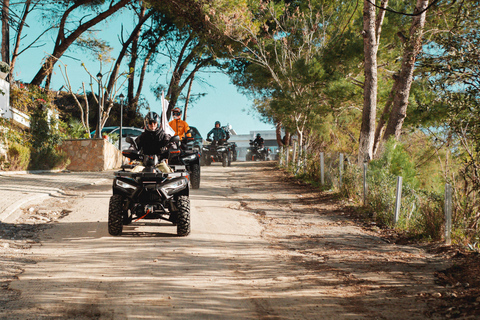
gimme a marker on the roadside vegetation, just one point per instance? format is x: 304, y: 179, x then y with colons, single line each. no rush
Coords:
x: 394, y: 84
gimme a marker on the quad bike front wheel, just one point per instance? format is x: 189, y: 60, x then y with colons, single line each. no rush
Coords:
x: 225, y: 160
x: 195, y: 176
x: 229, y: 158
x: 183, y: 216
x: 115, y: 215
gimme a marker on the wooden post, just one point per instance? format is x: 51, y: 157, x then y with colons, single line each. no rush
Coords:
x: 448, y: 214
x: 294, y: 156
x: 364, y: 183
x: 340, y: 169
x: 287, y: 155
x: 280, y: 156
x: 398, y: 201
x: 322, y: 168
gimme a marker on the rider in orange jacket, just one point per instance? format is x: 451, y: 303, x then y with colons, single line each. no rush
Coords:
x: 178, y: 125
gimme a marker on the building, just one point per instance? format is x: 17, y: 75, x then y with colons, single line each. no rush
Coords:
x: 6, y: 111
x: 243, y: 141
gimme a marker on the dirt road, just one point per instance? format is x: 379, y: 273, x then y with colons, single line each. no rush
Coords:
x: 261, y: 247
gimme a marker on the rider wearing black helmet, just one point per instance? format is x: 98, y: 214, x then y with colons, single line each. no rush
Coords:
x: 153, y: 139
x: 259, y: 140
x: 218, y: 132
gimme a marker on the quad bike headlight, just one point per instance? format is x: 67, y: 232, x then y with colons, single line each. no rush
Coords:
x: 190, y: 157
x: 222, y: 149
x: 172, y: 187
x: 124, y: 185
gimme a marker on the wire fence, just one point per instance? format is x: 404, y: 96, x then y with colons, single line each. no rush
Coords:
x: 391, y: 201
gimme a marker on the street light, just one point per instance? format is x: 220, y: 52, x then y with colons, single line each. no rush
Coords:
x: 100, y: 100
x: 121, y: 97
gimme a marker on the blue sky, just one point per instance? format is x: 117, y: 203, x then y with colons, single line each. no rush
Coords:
x: 222, y: 102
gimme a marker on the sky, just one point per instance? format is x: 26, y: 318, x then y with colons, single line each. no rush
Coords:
x: 223, y: 102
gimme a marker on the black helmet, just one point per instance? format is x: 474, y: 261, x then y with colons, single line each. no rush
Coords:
x: 217, y: 122
x: 150, y: 118
x: 258, y: 135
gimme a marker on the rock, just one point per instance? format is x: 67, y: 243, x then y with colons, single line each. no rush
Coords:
x: 437, y: 295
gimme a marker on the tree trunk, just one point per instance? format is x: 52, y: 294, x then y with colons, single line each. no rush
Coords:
x: 278, y: 132
x: 133, y: 60
x: 6, y: 31
x: 133, y: 36
x: 188, y: 98
x: 62, y: 43
x: 405, y: 79
x: 18, y: 37
x: 367, y: 131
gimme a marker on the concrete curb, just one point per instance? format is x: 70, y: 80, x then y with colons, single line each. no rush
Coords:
x: 32, y: 172
x: 13, y: 212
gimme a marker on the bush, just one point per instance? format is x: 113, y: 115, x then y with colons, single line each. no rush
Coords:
x: 45, y: 138
x: 18, y: 157
x: 4, y: 67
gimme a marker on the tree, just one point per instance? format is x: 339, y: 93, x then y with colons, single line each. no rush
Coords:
x: 403, y: 82
x: 65, y: 38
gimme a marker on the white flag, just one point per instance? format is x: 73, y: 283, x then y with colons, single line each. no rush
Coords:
x: 165, y: 126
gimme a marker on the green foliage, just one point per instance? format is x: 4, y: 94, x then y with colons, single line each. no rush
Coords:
x: 74, y: 129
x: 18, y: 157
x: 4, y: 67
x: 45, y: 139
x: 396, y: 162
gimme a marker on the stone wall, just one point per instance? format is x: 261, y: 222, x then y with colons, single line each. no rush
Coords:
x: 91, y: 154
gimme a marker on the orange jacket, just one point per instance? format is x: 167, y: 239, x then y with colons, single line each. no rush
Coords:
x: 180, y: 127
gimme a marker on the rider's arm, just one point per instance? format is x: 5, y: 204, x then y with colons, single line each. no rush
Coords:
x: 209, y: 133
x: 187, y: 128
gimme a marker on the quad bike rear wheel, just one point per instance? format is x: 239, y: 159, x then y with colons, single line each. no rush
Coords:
x: 115, y: 215
x: 183, y: 216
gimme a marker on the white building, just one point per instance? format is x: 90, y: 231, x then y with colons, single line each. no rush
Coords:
x: 6, y: 111
x: 243, y: 140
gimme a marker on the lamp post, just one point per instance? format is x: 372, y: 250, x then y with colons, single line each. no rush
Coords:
x: 100, y: 100
x: 121, y: 97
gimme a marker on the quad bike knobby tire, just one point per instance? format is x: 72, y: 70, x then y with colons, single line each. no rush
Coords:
x: 195, y: 176
x: 225, y: 160
x: 115, y: 215
x: 229, y: 158
x: 208, y: 161
x: 183, y: 216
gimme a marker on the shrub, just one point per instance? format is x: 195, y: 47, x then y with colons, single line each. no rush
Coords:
x: 18, y: 157
x: 4, y: 67
x: 45, y: 138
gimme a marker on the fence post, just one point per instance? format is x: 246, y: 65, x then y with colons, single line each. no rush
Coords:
x: 304, y: 159
x: 448, y: 214
x: 340, y: 168
x: 287, y: 155
x: 398, y: 201
x: 364, y: 183
x: 322, y: 168
x: 280, y: 156
x: 294, y: 156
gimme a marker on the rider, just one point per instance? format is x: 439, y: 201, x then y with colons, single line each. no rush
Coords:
x: 259, y: 140
x: 180, y: 127
x: 153, y: 139
x: 218, y: 132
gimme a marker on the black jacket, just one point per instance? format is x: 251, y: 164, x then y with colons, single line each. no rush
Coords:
x: 152, y: 142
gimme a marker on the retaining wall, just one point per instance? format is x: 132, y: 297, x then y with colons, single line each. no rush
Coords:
x: 91, y: 154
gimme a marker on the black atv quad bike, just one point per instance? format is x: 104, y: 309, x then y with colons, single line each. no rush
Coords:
x: 217, y: 151
x: 144, y: 191
x: 190, y: 158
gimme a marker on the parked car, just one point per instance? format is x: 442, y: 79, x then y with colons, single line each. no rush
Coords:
x: 126, y: 132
